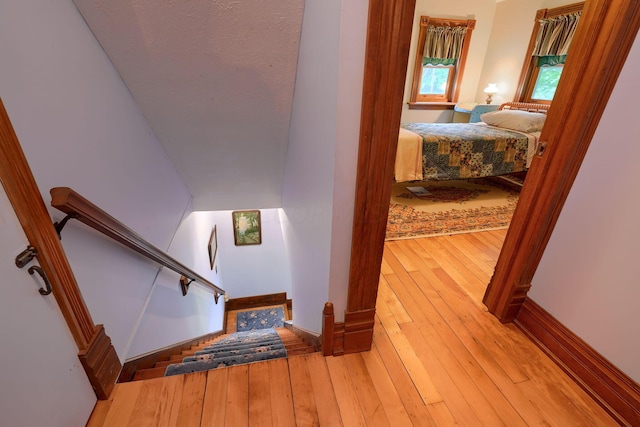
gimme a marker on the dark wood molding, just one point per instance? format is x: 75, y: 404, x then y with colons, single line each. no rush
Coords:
x: 328, y: 321
x: 386, y: 57
x: 96, y: 352
x: 68, y: 201
x: 101, y: 363
x: 338, y: 339
x: 256, y: 301
x: 313, y: 340
x: 441, y: 106
x: 618, y: 394
x: 148, y: 360
x: 358, y: 330
x: 604, y: 37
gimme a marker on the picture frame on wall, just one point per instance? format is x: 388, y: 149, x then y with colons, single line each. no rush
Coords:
x: 247, y: 229
x: 213, y: 246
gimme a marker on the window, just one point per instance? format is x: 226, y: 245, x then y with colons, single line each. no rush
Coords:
x: 552, y: 35
x: 442, y: 51
x: 546, y: 82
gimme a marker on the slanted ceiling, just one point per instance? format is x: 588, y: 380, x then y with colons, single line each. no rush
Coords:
x: 215, y: 80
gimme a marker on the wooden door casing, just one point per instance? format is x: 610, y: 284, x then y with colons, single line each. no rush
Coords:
x: 607, y: 31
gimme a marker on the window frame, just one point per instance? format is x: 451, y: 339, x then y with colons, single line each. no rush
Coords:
x: 530, y: 69
x: 418, y: 101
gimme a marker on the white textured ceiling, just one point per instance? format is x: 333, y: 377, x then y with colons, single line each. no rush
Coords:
x: 215, y: 80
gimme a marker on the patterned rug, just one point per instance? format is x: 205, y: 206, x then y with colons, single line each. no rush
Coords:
x: 436, y: 208
x: 260, y: 319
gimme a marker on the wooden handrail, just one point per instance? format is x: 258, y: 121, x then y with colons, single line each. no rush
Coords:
x: 77, y: 207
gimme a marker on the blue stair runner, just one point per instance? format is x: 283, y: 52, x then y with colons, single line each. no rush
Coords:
x: 234, y: 349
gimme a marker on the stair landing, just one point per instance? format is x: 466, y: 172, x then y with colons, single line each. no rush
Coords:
x: 251, y: 394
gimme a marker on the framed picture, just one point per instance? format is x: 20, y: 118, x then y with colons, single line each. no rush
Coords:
x: 246, y: 228
x: 213, y: 246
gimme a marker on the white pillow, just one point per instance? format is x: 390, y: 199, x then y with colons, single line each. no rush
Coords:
x: 522, y: 121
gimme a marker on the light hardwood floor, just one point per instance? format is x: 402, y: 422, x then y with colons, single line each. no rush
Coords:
x: 438, y: 359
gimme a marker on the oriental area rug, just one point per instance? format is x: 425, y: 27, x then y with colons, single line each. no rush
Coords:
x: 437, y: 208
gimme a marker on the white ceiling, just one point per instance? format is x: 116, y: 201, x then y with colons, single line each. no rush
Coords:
x: 215, y: 80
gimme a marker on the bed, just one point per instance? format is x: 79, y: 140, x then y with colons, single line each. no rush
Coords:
x: 503, y: 142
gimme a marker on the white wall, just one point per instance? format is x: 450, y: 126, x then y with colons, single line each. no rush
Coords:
x: 308, y: 184
x: 480, y: 10
x: 588, y: 276
x: 253, y: 269
x: 80, y: 127
x: 241, y: 271
x: 38, y: 353
x: 183, y: 317
x: 353, y: 37
x: 318, y: 188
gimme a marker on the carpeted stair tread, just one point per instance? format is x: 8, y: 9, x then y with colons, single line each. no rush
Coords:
x: 237, y: 346
x: 205, y: 365
x: 230, y: 351
x: 233, y: 349
x: 260, y: 319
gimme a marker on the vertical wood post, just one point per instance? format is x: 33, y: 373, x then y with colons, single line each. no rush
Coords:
x: 328, y: 319
x: 388, y: 39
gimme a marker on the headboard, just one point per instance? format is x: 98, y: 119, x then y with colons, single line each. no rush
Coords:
x: 525, y: 106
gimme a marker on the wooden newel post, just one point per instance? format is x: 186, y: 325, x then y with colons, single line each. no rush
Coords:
x: 327, y: 329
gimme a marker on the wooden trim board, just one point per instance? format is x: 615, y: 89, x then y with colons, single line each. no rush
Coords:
x: 97, y: 354
x: 600, y: 47
x: 618, y: 394
x: 256, y: 301
x: 387, y: 54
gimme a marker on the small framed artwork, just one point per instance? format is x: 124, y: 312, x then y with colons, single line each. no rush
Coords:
x: 246, y: 228
x: 213, y: 246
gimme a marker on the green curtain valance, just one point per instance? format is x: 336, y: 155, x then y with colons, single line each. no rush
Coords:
x: 438, y: 61
x: 551, y: 60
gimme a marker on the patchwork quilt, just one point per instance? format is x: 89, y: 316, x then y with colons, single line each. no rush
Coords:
x: 470, y: 150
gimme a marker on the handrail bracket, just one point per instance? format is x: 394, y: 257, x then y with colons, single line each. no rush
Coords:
x: 25, y: 257
x: 184, y: 284
x: 76, y: 206
x: 60, y: 225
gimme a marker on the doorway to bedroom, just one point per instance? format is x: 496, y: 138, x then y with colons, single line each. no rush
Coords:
x: 547, y: 186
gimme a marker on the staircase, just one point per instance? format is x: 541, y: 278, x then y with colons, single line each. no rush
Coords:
x: 293, y: 346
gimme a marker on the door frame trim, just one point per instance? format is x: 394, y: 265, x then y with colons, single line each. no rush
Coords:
x: 608, y: 31
x: 600, y: 47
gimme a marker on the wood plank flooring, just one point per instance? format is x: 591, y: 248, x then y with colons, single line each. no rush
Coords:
x: 438, y: 359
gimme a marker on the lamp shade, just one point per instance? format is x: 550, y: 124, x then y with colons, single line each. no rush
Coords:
x: 491, y: 88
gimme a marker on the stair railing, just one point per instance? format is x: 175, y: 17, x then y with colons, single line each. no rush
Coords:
x: 77, y: 207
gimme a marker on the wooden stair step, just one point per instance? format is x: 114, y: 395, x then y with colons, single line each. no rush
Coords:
x: 147, y: 374
x: 298, y: 352
x: 294, y: 345
x: 166, y: 363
